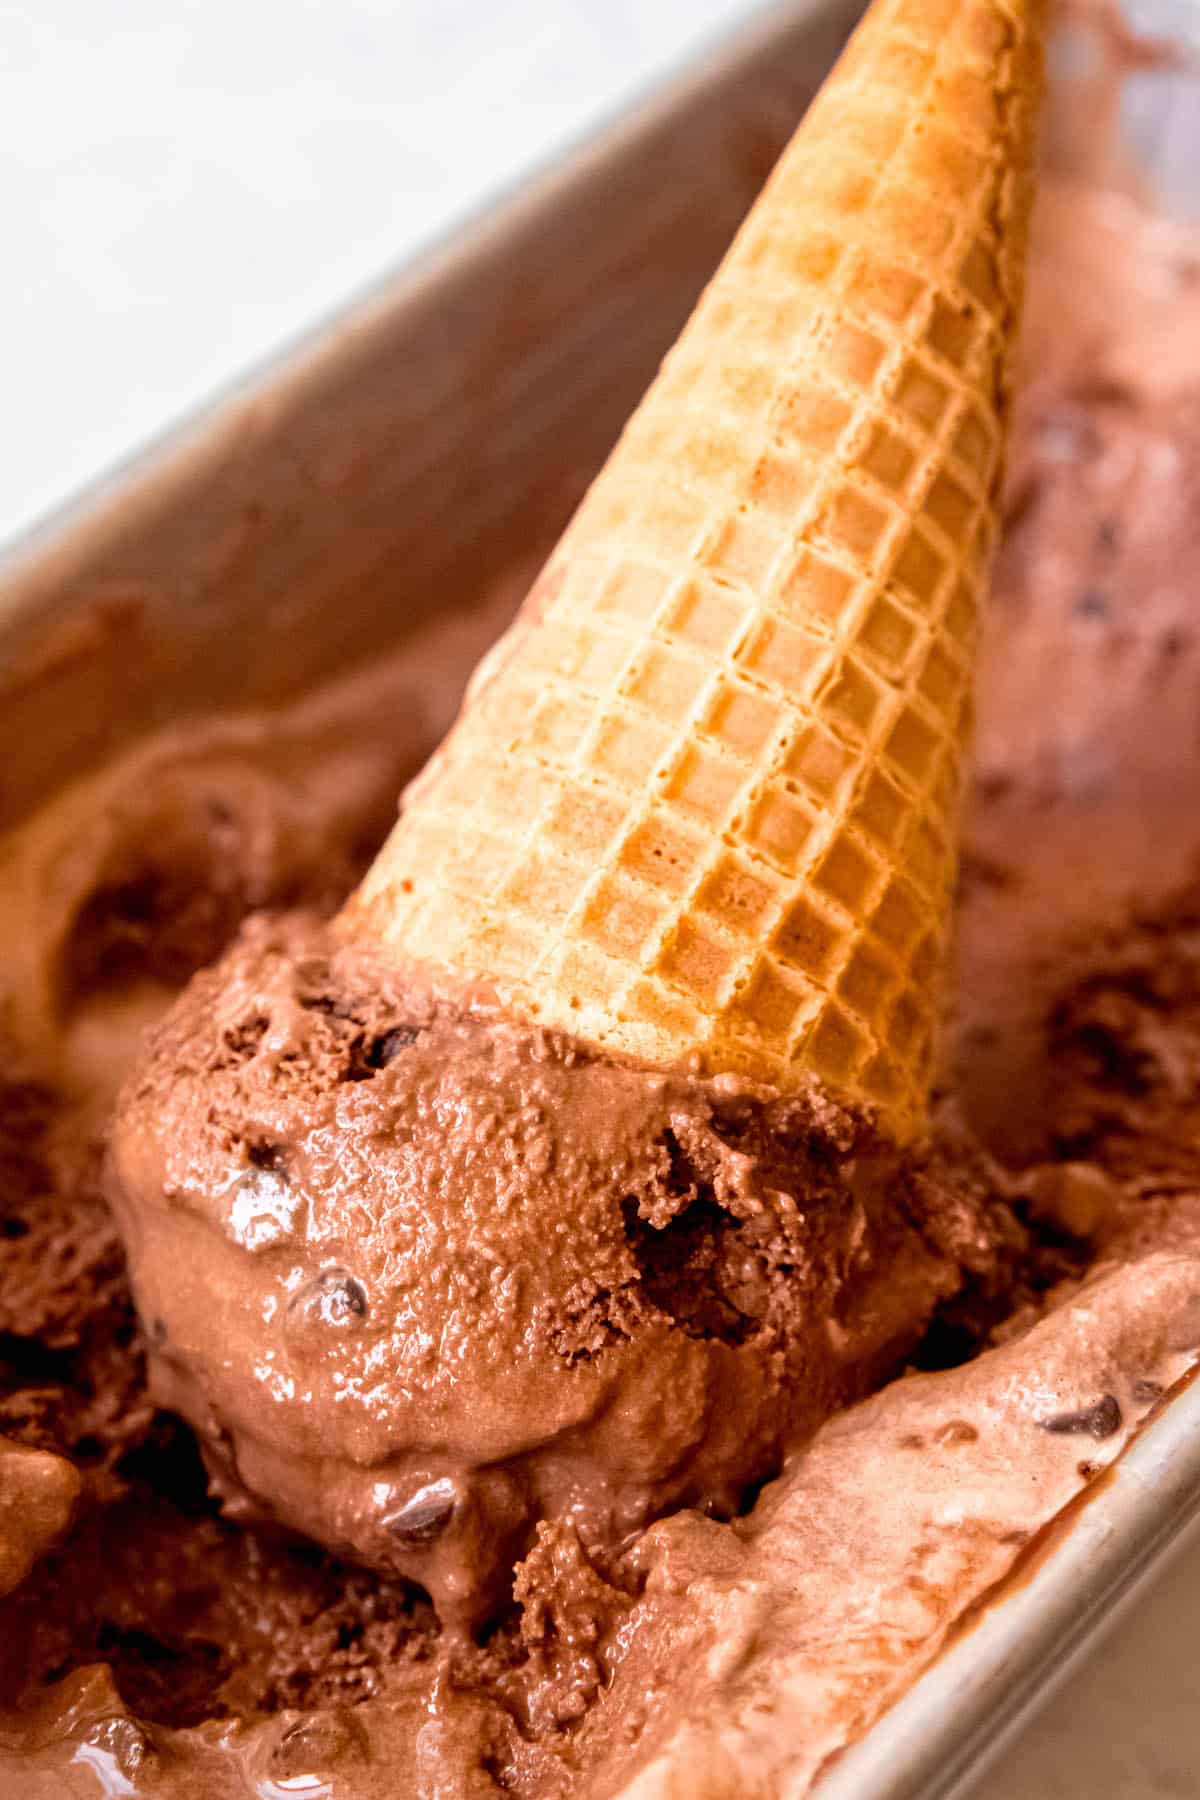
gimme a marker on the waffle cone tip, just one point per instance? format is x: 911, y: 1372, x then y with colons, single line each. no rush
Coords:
x: 700, y: 806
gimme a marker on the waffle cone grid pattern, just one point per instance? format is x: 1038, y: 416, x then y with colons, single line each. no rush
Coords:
x: 701, y: 804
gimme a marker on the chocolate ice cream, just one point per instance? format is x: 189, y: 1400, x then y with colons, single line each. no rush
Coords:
x: 448, y: 1274
x: 163, y: 1643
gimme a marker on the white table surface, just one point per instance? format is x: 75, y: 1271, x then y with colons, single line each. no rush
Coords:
x: 186, y: 184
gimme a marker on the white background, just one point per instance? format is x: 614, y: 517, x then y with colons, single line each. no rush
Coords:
x: 186, y: 183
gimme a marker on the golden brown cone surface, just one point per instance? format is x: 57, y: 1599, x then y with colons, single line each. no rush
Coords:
x: 700, y: 806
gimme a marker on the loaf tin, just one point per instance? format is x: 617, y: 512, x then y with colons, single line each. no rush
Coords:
x: 394, y: 463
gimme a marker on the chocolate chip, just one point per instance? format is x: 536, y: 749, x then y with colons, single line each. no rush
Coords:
x: 423, y: 1518
x: 387, y: 1048
x: 1147, y: 1392
x: 329, y: 1007
x: 367, y: 1057
x: 956, y: 1431
x: 993, y: 784
x: 1099, y: 1421
x: 334, y: 1297
x: 265, y: 1155
x: 1093, y: 603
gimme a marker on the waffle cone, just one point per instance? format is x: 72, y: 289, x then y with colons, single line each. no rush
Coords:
x: 700, y: 806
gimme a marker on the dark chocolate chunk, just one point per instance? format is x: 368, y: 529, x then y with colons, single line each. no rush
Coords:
x: 264, y: 1154
x: 367, y: 1057
x: 387, y: 1048
x: 334, y: 1297
x: 423, y: 1518
x: 1098, y: 1421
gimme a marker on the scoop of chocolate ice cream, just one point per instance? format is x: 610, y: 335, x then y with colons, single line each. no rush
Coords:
x: 420, y: 1275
